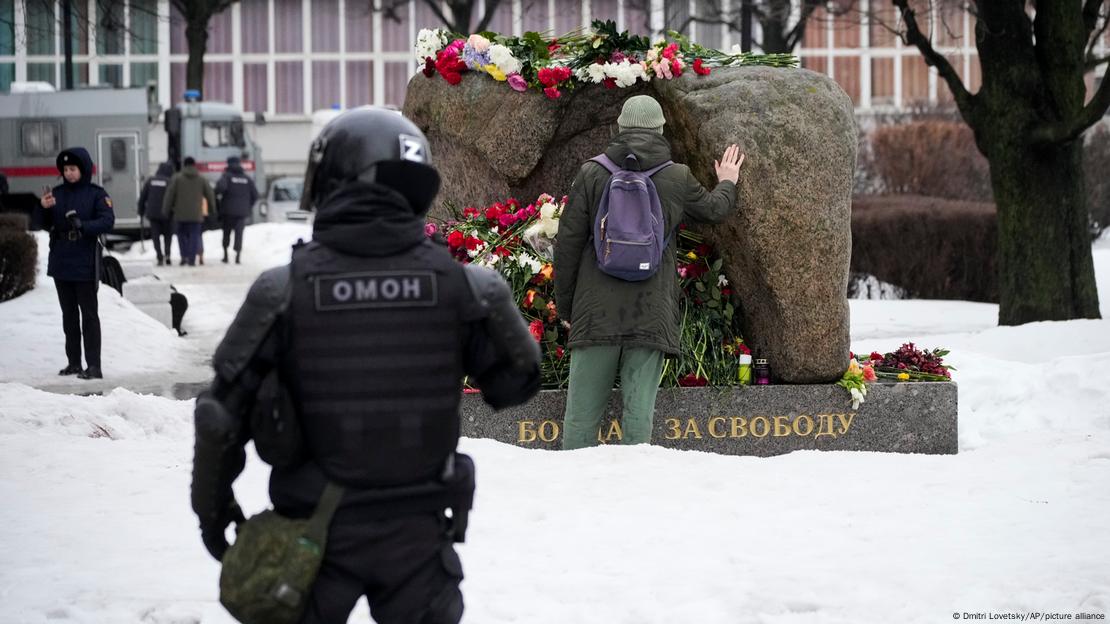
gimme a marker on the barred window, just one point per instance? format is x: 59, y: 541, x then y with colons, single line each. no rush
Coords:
x: 41, y: 138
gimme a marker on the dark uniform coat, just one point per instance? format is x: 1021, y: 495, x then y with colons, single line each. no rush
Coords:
x: 236, y: 192
x: 154, y: 191
x: 605, y: 310
x: 73, y: 254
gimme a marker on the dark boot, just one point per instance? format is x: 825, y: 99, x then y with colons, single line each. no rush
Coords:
x: 183, y: 263
x: 237, y: 257
x: 92, y: 372
x: 200, y: 259
x: 225, y: 256
x: 72, y: 369
x: 160, y: 260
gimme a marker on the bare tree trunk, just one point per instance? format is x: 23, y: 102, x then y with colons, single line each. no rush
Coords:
x: 196, y: 35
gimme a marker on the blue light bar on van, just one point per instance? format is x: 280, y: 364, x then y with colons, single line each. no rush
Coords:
x: 192, y: 95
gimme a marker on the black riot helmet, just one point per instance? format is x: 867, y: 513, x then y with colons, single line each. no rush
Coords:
x: 371, y: 144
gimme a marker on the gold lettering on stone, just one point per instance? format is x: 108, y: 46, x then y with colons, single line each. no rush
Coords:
x: 766, y: 426
x: 809, y: 425
x: 526, y: 431
x: 674, y: 431
x: 825, y: 425
x: 549, y: 431
x: 713, y: 422
x: 739, y: 427
x: 782, y: 426
x: 614, y: 431
x: 691, y: 429
x: 845, y: 422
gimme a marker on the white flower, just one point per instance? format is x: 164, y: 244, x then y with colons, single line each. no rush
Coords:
x: 857, y: 397
x: 722, y: 281
x: 430, y: 41
x: 597, y: 72
x: 528, y: 261
x: 503, y: 58
x: 736, y: 49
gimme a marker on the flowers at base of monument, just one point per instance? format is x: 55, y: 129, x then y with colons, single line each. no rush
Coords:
x: 692, y: 380
x: 503, y: 58
x: 614, y: 74
x: 917, y: 364
x: 475, y: 53
x: 429, y: 41
x: 855, y: 381
x: 552, y: 78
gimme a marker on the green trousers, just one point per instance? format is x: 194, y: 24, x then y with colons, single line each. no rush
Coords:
x: 592, y: 373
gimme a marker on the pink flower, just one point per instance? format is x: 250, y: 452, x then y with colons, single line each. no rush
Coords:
x: 676, y: 68
x: 507, y: 219
x: 517, y: 82
x: 670, y: 51
x: 700, y: 68
x: 536, y: 328
x: 430, y: 229
x: 552, y: 93
x: 869, y: 373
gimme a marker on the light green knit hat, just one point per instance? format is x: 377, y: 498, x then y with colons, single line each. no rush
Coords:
x: 641, y: 111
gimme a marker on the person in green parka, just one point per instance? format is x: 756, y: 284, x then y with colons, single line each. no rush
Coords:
x: 619, y: 326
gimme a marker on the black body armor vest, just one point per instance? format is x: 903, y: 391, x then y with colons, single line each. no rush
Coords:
x: 377, y: 351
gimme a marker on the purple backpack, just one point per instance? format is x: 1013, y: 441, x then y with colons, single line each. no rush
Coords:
x: 628, y: 231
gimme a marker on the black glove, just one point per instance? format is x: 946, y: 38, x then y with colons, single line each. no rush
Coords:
x: 212, y: 533
x: 74, y: 220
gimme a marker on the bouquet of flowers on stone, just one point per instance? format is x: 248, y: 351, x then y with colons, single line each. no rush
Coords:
x: 600, y: 55
x: 517, y: 241
x: 908, y: 363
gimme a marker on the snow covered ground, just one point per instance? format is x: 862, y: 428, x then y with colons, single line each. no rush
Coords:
x: 98, y: 527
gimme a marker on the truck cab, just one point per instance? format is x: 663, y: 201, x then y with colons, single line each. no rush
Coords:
x: 211, y: 132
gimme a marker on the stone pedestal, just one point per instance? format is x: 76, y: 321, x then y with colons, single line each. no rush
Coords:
x: 750, y: 420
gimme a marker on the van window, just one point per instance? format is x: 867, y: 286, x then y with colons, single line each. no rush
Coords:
x: 118, y: 152
x: 41, y: 138
x: 222, y: 134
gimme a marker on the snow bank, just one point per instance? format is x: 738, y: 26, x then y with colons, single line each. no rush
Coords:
x: 121, y: 415
x: 265, y: 244
x: 134, y: 344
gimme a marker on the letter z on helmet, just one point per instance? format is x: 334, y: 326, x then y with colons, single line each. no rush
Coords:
x: 375, y: 145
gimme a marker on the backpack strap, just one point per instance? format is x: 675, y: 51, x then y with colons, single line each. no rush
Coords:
x: 613, y: 167
x: 606, y: 162
x: 656, y: 169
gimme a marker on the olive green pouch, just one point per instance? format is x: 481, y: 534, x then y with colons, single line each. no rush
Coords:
x: 268, y: 572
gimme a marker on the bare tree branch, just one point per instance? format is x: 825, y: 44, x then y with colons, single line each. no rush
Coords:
x: 1070, y: 129
x: 491, y: 7
x: 799, y: 30
x: 1094, y: 38
x: 1093, y: 62
x: 913, y: 36
x: 1091, y: 9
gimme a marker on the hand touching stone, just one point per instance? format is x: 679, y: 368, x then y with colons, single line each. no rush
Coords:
x: 728, y: 168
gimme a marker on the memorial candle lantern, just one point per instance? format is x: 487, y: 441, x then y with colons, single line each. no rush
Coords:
x: 745, y: 372
x: 762, y: 372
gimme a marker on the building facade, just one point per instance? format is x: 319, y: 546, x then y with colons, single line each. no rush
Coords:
x: 288, y: 58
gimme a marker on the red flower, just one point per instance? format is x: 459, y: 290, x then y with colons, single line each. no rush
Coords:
x: 875, y: 355
x: 506, y: 220
x: 455, y: 239
x: 743, y: 348
x: 610, y: 83
x: 553, y: 46
x: 472, y: 243
x: 703, y: 250
x: 559, y: 352
x: 429, y: 67
x: 536, y: 328
x: 503, y: 252
x: 547, y: 77
x: 493, y: 213
x: 726, y: 292
x: 552, y: 313
x: 692, y: 380
x: 670, y: 51
x: 676, y: 68
x: 449, y: 66
x: 529, y: 298
x: 700, y: 68
x: 552, y: 93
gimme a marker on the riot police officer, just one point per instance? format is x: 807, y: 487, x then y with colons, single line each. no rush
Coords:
x: 368, y: 331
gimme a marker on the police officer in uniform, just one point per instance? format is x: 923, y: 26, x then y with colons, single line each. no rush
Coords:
x: 150, y: 206
x: 236, y: 193
x: 76, y: 213
x: 370, y: 330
